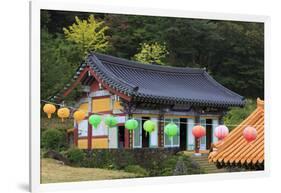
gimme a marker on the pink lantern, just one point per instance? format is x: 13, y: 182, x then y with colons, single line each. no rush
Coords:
x: 250, y: 133
x: 221, y: 132
x: 198, y: 131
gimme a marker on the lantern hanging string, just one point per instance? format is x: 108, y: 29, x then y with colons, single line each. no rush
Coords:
x: 140, y: 119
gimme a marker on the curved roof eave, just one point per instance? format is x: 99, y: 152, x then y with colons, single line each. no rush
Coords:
x: 132, y: 90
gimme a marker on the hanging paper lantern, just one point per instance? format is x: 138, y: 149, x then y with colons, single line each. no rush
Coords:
x: 221, y: 132
x: 198, y: 131
x: 79, y: 116
x: 63, y: 113
x: 49, y: 109
x: 149, y: 126
x: 171, y: 129
x: 95, y: 120
x: 131, y: 124
x: 250, y: 133
x: 111, y: 121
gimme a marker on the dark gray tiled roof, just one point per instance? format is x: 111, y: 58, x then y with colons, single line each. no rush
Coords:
x: 162, y: 84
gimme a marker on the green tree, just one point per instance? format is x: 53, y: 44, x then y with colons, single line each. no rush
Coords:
x: 88, y: 34
x: 59, y: 60
x: 152, y: 53
x: 53, y: 139
x: 76, y: 156
x: 231, y: 51
x: 236, y: 115
x: 238, y: 60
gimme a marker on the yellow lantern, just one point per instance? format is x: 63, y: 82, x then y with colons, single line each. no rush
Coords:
x: 63, y: 113
x: 79, y: 116
x: 49, y: 109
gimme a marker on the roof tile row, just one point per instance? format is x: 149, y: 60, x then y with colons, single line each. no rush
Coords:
x: 234, y: 149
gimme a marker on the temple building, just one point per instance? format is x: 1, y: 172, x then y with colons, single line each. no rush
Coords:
x: 235, y: 151
x: 128, y: 89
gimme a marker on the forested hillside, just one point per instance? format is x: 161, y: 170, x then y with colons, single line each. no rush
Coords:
x: 232, y: 52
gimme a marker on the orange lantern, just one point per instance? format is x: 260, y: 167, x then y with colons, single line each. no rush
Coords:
x: 49, y: 109
x: 79, y: 116
x: 63, y: 113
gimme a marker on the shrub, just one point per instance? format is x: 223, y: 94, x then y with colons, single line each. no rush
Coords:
x: 167, y: 166
x: 136, y: 169
x: 143, y: 163
x: 176, y: 165
x: 100, y: 159
x: 53, y: 139
x: 122, y: 159
x: 75, y: 156
x: 192, y: 166
x: 180, y: 167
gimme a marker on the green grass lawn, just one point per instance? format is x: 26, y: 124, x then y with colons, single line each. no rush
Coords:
x: 52, y: 171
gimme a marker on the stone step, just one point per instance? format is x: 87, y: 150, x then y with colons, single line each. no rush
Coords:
x: 209, y: 168
x: 206, y: 163
x: 213, y: 172
x: 199, y: 159
x: 203, y: 162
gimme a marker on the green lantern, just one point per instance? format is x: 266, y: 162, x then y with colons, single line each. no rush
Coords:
x: 95, y: 120
x: 111, y: 121
x: 131, y: 124
x: 171, y: 129
x: 149, y: 126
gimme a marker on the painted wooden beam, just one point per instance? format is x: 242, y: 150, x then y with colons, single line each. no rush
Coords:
x: 69, y: 87
x: 123, y: 96
x: 76, y: 82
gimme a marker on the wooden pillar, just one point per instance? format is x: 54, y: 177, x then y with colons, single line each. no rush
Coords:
x: 130, y: 134
x: 90, y: 134
x: 127, y: 145
x: 197, y: 140
x: 161, y: 130
x: 131, y: 139
x: 90, y: 127
x: 75, y: 136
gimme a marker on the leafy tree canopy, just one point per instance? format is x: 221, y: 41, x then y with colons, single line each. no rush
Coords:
x: 231, y: 51
x: 59, y: 60
x: 236, y: 115
x: 152, y: 53
x: 89, y: 35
